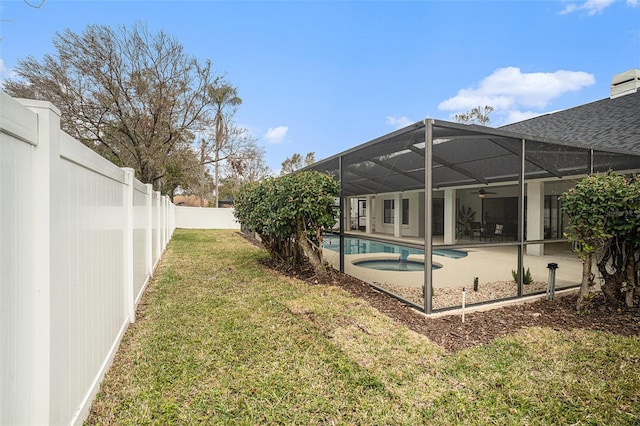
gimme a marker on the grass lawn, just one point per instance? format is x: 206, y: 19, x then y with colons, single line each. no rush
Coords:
x: 221, y: 339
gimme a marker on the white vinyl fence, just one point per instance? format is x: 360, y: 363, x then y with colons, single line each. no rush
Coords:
x: 205, y: 218
x: 79, y: 239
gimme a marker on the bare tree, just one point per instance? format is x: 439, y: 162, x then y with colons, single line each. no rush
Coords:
x: 477, y: 115
x: 35, y: 6
x: 135, y: 97
x: 219, y: 157
x: 252, y: 167
x: 247, y: 167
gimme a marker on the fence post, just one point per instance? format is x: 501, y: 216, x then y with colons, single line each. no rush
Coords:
x: 35, y: 406
x: 149, y: 230
x: 172, y: 210
x: 158, y: 253
x: 164, y: 222
x: 127, y: 249
x: 161, y: 223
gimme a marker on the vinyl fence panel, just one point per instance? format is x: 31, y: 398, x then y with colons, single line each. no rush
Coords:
x: 205, y: 218
x: 79, y: 238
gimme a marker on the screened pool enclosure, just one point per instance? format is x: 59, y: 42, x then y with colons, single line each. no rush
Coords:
x: 490, y: 198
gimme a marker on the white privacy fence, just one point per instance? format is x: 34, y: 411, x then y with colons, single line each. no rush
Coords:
x: 205, y: 218
x: 79, y: 238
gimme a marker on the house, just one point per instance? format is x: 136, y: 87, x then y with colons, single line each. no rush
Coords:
x: 483, y: 188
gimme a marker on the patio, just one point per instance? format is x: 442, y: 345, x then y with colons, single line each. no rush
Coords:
x: 489, y: 192
x: 492, y: 266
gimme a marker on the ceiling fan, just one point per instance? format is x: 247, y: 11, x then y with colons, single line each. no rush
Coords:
x: 482, y: 193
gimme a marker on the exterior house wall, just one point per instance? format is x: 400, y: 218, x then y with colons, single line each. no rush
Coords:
x: 455, y: 200
x: 416, y: 205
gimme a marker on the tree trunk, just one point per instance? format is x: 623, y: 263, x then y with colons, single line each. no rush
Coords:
x: 203, y: 178
x: 613, y: 269
x: 309, y: 252
x: 631, y: 277
x: 587, y: 280
x: 216, y: 178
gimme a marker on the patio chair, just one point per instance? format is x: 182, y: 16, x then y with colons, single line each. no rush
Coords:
x: 476, y: 230
x: 498, y: 232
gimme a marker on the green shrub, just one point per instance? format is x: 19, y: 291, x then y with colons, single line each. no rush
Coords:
x: 603, y: 212
x: 290, y: 214
x: 527, y: 278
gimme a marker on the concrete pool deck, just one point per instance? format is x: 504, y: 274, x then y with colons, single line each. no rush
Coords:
x: 489, y: 264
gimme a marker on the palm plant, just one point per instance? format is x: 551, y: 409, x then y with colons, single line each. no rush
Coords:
x: 465, y: 218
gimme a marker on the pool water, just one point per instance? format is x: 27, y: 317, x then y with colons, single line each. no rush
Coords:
x: 452, y: 253
x: 354, y: 245
x: 393, y: 265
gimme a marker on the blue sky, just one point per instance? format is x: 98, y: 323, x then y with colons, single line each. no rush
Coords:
x: 324, y: 76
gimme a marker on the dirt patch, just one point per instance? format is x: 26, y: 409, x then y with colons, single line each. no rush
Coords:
x: 481, y: 327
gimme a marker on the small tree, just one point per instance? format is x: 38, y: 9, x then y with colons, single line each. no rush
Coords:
x: 604, y: 220
x: 477, y: 115
x: 290, y: 214
x: 465, y: 218
x: 296, y: 162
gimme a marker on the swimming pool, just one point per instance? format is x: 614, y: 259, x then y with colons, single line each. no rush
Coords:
x: 353, y: 245
x: 394, y: 265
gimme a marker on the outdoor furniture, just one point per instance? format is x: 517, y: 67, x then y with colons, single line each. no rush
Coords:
x: 498, y: 232
x: 476, y: 230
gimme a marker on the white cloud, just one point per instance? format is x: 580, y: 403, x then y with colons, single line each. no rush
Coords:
x: 276, y: 134
x: 509, y: 87
x: 2, y: 66
x: 593, y: 7
x: 509, y: 90
x: 399, y: 122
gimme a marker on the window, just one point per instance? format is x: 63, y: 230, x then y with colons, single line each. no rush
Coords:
x: 405, y: 211
x: 388, y: 211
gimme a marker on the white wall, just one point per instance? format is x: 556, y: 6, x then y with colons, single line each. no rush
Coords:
x: 79, y: 238
x: 205, y: 218
x: 416, y: 213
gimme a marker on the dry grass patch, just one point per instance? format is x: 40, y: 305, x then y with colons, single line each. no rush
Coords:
x: 399, y: 357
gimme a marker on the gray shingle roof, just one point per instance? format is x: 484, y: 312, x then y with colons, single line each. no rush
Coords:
x: 607, y: 124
